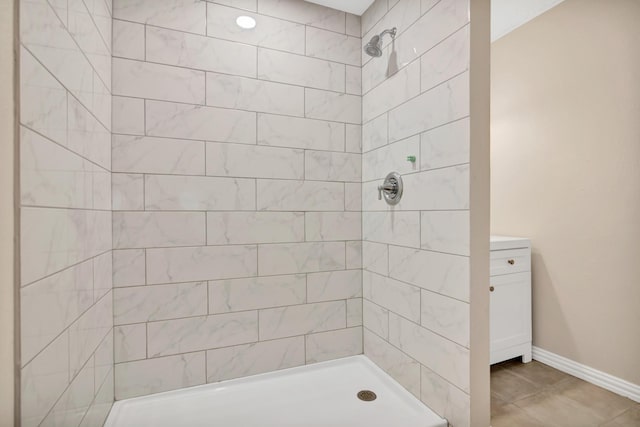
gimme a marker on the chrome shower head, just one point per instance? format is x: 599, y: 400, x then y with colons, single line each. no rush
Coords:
x: 374, y: 47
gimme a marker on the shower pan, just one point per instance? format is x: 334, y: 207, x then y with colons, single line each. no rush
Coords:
x: 319, y: 395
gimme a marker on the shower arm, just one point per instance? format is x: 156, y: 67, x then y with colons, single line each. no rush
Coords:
x: 391, y: 32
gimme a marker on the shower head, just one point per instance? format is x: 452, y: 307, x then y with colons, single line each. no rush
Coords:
x: 374, y: 47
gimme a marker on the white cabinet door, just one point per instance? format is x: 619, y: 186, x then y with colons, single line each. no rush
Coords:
x: 510, y: 314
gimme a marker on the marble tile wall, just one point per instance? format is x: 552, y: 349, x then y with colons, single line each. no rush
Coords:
x: 415, y: 102
x: 237, y: 174
x: 66, y: 299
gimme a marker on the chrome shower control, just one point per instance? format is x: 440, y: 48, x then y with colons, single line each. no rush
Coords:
x: 391, y: 188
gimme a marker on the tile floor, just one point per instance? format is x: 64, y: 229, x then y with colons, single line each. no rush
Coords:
x: 536, y: 395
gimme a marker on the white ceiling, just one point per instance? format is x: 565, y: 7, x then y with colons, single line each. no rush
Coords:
x: 507, y: 15
x: 357, y: 7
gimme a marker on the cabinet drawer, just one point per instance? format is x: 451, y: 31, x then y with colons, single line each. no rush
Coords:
x: 509, y: 261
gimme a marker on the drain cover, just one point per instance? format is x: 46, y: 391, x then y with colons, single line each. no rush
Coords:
x: 367, y: 395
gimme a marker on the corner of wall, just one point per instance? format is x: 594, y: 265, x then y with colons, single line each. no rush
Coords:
x: 480, y: 202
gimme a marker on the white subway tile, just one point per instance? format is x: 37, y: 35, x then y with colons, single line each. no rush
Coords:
x: 394, y: 362
x: 51, y: 175
x: 49, y: 306
x: 43, y: 105
x: 375, y: 318
x: 373, y: 14
x: 352, y: 196
x: 294, y: 132
x: 43, y: 380
x: 146, y: 154
x: 243, y: 93
x: 339, y: 107
x: 198, y: 122
x: 324, y: 226
x: 327, y: 166
x: 398, y: 89
x: 127, y: 192
x: 270, y: 32
x: 394, y: 296
x: 86, y: 334
x: 333, y: 344
x: 166, y: 265
x: 87, y: 136
x: 353, y: 25
x: 183, y: 15
x: 446, y: 231
x: 158, y: 229
x: 252, y: 161
x: 103, y: 361
x: 128, y: 40
x: 128, y: 267
x: 74, y: 402
x: 354, y: 254
x: 252, y: 359
x: 256, y: 292
x: 334, y: 285
x: 449, y: 359
x: 446, y: 316
x: 159, y: 302
x: 353, y: 138
x: 444, y: 146
x: 175, y: 192
x: 289, y: 258
x: 304, y: 13
x: 333, y: 46
x: 102, y: 275
x: 302, y: 319
x: 150, y: 376
x: 376, y: 164
x: 128, y: 115
x: 225, y: 228
x: 442, y: 273
x: 201, y: 333
x: 375, y: 133
x: 155, y: 81
x: 275, y: 195
x: 353, y: 80
x: 354, y: 312
x: 396, y: 228
x: 375, y: 257
x: 130, y: 342
x: 300, y: 70
x: 200, y: 52
x: 438, y: 106
x: 54, y: 239
x: 251, y: 5
x: 449, y: 58
x: 445, y: 398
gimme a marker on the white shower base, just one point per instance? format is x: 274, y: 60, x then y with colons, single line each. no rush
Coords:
x: 319, y: 395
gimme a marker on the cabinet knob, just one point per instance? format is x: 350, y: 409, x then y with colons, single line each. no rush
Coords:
x: 511, y: 261
x: 491, y: 289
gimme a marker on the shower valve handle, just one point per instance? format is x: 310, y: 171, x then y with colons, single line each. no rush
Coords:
x: 389, y: 188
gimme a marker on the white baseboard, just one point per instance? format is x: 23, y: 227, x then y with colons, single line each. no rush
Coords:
x: 593, y: 376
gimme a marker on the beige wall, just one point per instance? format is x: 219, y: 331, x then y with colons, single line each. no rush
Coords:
x: 479, y: 67
x: 6, y: 212
x: 566, y: 172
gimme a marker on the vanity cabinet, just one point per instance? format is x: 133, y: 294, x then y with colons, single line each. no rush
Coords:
x: 510, y: 298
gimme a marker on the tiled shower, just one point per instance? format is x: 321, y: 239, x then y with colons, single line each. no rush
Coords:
x: 199, y: 201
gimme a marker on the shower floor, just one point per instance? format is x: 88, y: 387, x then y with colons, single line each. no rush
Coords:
x: 319, y: 395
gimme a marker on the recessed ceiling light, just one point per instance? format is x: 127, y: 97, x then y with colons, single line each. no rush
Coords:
x: 246, y: 22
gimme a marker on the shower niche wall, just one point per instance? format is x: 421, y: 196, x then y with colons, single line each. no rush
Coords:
x: 229, y: 223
